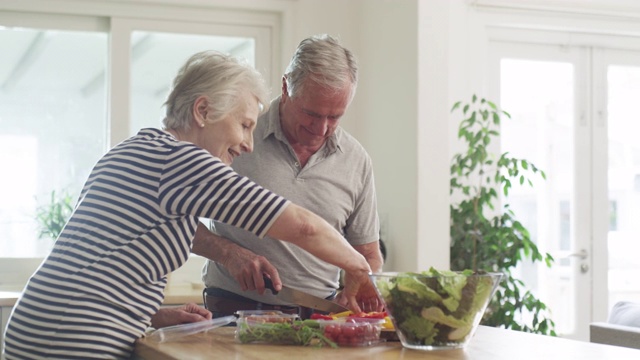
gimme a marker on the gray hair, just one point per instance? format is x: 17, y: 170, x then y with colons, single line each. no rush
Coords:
x: 222, y: 78
x: 321, y: 59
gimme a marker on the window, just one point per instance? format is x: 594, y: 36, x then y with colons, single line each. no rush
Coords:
x: 52, y: 125
x: 73, y: 86
x: 151, y: 79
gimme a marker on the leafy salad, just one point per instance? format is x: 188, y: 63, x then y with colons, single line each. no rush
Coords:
x: 296, y: 332
x: 435, y: 307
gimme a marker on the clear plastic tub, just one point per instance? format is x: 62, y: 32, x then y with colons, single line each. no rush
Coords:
x: 266, y: 316
x: 270, y: 328
x: 174, y: 332
x: 352, y: 332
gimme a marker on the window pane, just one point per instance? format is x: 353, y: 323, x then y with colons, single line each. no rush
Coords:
x: 156, y: 58
x: 52, y: 125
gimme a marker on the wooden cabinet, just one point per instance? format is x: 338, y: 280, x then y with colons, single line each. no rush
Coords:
x: 7, y: 300
x: 4, y: 315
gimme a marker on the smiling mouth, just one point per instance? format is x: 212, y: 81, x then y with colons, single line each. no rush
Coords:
x: 233, y: 153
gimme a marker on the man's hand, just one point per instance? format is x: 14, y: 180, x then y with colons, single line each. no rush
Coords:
x: 184, y: 314
x: 357, y: 287
x: 366, y: 298
x: 244, y: 265
x: 248, y: 268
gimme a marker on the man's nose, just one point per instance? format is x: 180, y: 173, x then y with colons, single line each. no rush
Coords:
x: 320, y: 126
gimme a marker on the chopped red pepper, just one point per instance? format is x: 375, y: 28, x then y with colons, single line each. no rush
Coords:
x: 316, y: 316
x: 371, y: 315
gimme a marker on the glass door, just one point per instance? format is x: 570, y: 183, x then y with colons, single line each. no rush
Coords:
x: 574, y: 115
x: 543, y: 88
x: 619, y: 156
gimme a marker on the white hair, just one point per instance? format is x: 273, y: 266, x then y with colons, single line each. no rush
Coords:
x: 223, y: 79
x: 323, y: 60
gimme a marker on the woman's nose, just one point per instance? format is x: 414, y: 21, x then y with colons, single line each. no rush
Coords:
x: 247, y: 144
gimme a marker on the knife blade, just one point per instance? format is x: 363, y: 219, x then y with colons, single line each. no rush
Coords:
x: 301, y: 298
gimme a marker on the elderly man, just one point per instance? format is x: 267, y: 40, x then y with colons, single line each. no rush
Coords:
x: 301, y: 153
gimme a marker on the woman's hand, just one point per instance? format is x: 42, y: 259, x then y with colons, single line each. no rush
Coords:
x: 184, y: 314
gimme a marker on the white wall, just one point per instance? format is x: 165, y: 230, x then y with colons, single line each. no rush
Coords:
x: 389, y: 108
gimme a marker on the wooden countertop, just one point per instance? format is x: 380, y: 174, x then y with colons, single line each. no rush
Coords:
x: 487, y: 344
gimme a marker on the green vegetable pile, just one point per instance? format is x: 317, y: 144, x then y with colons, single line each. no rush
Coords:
x: 437, y: 308
x: 298, y: 332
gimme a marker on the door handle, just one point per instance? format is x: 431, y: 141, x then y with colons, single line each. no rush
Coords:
x: 582, y: 254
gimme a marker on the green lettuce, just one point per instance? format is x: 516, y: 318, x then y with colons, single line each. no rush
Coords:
x: 437, y: 309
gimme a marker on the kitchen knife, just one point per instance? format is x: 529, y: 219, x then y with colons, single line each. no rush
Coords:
x: 301, y: 298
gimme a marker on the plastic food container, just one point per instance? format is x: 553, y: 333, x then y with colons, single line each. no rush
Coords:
x: 281, y: 329
x: 352, y: 332
x: 178, y: 331
x: 264, y: 316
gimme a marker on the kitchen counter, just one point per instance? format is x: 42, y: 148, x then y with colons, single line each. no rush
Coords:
x: 9, y: 298
x: 487, y: 344
x: 180, y: 296
x: 172, y: 297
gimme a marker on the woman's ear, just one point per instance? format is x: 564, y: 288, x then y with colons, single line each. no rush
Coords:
x: 200, y: 109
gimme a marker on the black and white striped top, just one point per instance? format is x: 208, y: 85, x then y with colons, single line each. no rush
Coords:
x: 137, y: 214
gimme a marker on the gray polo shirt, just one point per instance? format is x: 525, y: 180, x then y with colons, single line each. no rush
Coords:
x: 336, y: 183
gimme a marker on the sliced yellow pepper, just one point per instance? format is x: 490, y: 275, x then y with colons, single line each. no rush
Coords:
x: 341, y: 314
x: 388, y: 324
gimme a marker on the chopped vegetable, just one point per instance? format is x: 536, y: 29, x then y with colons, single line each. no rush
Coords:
x: 316, y: 316
x: 299, y: 332
x: 352, y: 332
x: 370, y: 315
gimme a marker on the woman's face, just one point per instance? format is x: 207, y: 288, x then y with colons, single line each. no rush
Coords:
x: 232, y: 135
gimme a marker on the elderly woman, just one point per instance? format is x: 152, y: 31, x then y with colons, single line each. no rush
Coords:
x: 102, y: 284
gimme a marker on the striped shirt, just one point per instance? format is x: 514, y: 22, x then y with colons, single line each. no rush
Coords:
x: 94, y: 295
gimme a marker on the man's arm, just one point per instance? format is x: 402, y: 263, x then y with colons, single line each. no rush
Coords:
x: 244, y: 265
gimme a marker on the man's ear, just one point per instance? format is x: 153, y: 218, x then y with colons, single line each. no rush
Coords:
x: 200, y: 109
x: 285, y: 92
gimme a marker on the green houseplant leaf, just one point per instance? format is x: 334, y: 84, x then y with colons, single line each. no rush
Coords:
x: 53, y: 216
x: 485, y: 234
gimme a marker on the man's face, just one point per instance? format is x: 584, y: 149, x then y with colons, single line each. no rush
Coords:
x: 312, y: 116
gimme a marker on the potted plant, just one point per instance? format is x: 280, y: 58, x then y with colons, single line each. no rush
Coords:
x: 485, y: 234
x: 53, y: 216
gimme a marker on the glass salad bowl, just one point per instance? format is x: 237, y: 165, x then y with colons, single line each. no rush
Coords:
x: 436, y: 310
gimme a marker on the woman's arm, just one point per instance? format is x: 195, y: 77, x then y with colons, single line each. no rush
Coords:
x: 313, y: 234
